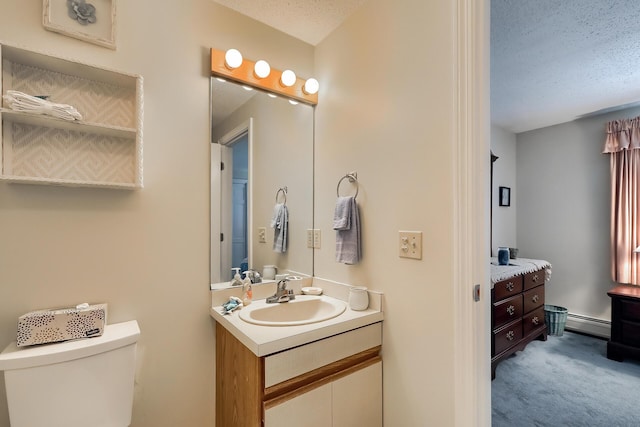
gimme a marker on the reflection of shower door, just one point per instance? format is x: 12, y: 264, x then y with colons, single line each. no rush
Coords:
x: 239, y: 244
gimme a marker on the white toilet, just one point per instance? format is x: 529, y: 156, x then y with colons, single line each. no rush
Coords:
x: 81, y: 383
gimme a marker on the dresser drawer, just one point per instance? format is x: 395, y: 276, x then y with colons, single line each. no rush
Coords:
x: 507, y: 336
x: 533, y: 298
x: 531, y: 280
x: 532, y: 321
x: 630, y: 309
x: 507, y: 310
x: 507, y: 288
x: 630, y: 333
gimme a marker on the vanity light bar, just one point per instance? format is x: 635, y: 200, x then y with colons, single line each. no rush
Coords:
x: 245, y: 75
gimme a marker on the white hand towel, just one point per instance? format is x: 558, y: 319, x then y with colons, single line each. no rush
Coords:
x: 348, y: 241
x: 19, y: 101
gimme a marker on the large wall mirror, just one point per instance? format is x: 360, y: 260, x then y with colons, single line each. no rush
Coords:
x: 265, y: 144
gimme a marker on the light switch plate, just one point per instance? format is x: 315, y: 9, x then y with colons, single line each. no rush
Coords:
x: 262, y: 234
x: 410, y: 244
x: 316, y: 238
x: 309, y: 238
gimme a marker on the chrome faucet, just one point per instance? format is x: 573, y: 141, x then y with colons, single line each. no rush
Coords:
x: 282, y: 293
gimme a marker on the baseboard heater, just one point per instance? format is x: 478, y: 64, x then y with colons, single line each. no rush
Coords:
x: 588, y: 325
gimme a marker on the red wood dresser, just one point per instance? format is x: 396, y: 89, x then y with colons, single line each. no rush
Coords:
x: 625, y: 323
x: 517, y: 315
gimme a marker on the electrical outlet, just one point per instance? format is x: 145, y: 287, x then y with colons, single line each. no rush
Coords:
x: 410, y: 244
x: 316, y: 239
x: 262, y: 234
x: 309, y: 238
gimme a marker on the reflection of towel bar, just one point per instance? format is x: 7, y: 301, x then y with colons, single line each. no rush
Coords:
x: 284, y: 193
x: 352, y: 177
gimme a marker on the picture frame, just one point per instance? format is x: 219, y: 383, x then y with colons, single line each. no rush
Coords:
x: 98, y: 20
x: 504, y: 196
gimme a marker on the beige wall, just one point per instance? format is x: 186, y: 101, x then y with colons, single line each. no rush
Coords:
x: 503, y: 145
x: 145, y: 253
x: 386, y: 110
x: 572, y: 231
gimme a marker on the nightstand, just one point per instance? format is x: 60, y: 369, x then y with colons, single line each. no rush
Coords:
x: 625, y: 323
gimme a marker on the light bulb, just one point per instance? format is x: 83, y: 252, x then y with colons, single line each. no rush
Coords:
x: 311, y: 86
x: 292, y: 102
x: 288, y: 78
x: 272, y: 95
x: 261, y: 69
x: 247, y: 88
x: 233, y: 58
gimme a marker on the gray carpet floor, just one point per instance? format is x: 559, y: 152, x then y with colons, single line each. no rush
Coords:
x: 564, y: 382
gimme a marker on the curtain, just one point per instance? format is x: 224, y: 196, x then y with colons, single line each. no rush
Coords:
x: 623, y: 145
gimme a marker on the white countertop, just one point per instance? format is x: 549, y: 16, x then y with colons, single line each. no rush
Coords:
x: 265, y: 340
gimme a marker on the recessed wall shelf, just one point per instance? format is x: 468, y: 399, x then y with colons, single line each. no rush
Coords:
x: 102, y: 150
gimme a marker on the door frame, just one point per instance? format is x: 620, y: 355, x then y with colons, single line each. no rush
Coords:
x: 218, y: 193
x: 472, y: 376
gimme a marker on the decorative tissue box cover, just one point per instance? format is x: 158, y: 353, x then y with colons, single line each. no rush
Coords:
x: 46, y: 326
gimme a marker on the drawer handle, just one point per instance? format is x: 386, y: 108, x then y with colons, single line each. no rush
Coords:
x: 511, y: 309
x: 510, y: 335
x: 535, y: 277
x: 510, y: 286
x: 535, y: 298
x: 535, y: 320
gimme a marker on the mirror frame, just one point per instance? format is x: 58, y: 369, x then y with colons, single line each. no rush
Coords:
x: 244, y: 76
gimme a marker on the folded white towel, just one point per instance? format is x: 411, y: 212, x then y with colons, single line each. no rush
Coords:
x: 19, y: 101
x: 347, y: 225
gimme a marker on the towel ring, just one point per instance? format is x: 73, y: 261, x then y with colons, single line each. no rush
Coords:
x: 352, y: 177
x: 282, y: 190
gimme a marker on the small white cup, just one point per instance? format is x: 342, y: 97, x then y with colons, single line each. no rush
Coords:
x: 269, y: 272
x: 358, y: 298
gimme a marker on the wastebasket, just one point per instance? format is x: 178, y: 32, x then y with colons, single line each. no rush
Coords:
x: 555, y: 317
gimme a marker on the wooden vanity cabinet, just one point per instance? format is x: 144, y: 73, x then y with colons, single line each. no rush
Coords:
x: 517, y: 315
x: 333, y: 382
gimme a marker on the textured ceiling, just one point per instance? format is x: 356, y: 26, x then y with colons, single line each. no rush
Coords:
x: 307, y: 20
x: 555, y: 60
x: 552, y: 61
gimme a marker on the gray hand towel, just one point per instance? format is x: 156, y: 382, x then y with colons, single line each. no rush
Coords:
x: 280, y: 223
x: 342, y: 214
x: 347, y: 225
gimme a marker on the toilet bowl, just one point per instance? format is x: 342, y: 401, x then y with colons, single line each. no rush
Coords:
x: 78, y: 383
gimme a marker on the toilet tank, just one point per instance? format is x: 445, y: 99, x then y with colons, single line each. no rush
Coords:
x: 79, y: 383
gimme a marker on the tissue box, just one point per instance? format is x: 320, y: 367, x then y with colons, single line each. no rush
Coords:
x: 47, y: 326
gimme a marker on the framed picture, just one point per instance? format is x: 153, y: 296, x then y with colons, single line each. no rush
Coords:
x: 504, y: 196
x: 93, y: 21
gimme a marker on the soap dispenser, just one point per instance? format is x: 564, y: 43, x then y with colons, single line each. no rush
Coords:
x: 247, y: 291
x: 237, y: 280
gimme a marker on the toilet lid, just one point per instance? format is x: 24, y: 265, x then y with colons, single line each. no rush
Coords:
x: 115, y: 336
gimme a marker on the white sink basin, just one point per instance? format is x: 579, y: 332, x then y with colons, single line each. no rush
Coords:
x: 304, y: 309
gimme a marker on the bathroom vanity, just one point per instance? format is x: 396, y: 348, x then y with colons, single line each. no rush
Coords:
x: 326, y: 373
x: 517, y: 313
